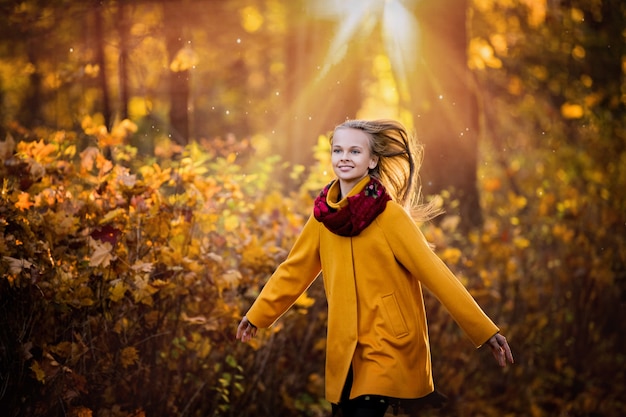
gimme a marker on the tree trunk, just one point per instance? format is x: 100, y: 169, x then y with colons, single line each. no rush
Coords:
x: 123, y: 62
x: 100, y: 60
x: 31, y: 111
x: 445, y: 108
x: 178, y: 80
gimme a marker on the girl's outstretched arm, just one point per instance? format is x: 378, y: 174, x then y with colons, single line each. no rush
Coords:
x: 246, y: 330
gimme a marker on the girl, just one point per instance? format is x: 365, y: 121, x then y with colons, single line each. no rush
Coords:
x: 364, y: 238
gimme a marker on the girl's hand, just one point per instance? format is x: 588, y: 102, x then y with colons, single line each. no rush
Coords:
x: 246, y: 330
x: 500, y: 349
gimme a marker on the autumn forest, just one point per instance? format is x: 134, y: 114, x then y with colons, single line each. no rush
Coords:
x: 158, y: 158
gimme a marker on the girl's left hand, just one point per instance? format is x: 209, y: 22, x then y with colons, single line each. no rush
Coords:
x: 500, y: 349
x: 246, y: 330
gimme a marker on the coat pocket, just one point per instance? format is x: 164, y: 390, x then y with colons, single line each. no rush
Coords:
x: 394, y: 315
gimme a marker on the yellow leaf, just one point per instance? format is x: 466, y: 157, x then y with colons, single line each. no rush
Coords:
x: 118, y: 291
x: 451, y: 255
x: 40, y: 375
x: 517, y: 201
x: 63, y: 349
x: 572, y: 111
x: 481, y: 55
x: 122, y: 130
x: 70, y: 151
x: 230, y: 159
x: 305, y: 301
x: 159, y: 283
x: 40, y: 150
x: 143, y: 290
x: 121, y: 325
x: 231, y: 222
x: 112, y: 215
x: 129, y: 356
x: 521, y: 242
x: 254, y: 255
x: 83, y: 296
x: 251, y: 19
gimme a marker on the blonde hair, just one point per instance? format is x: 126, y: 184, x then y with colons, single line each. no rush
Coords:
x: 399, y: 160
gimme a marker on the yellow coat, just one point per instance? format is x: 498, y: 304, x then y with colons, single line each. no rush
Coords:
x: 376, y: 316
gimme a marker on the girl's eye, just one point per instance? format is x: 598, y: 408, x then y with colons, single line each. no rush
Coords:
x: 355, y: 151
x: 336, y: 151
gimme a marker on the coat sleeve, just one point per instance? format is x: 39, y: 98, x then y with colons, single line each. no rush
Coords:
x: 291, y: 278
x: 413, y: 251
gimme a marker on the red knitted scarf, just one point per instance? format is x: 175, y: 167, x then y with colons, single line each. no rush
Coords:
x: 360, y: 212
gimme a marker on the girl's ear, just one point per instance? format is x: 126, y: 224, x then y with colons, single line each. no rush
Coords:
x: 373, y: 162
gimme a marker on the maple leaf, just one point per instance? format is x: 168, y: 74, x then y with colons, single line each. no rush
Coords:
x: 231, y: 278
x: 40, y: 375
x: 143, y: 290
x: 40, y: 150
x: 118, y: 291
x: 143, y: 266
x: 88, y: 158
x: 23, y: 201
x: 16, y: 265
x: 102, y: 254
x: 104, y: 165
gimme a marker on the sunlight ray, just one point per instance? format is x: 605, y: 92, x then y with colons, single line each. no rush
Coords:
x: 400, y: 32
x: 353, y: 21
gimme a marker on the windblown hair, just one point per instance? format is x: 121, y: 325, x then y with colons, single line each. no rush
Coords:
x: 399, y: 161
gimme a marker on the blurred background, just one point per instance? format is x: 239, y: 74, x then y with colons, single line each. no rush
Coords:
x: 160, y: 156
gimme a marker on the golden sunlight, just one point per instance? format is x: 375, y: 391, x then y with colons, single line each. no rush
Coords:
x: 359, y: 18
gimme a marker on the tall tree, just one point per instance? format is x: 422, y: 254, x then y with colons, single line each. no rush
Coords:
x: 101, y: 62
x: 444, y: 105
x: 124, y: 82
x: 175, y: 42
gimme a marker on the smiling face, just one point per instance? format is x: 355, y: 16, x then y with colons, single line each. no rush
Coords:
x: 351, y: 157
